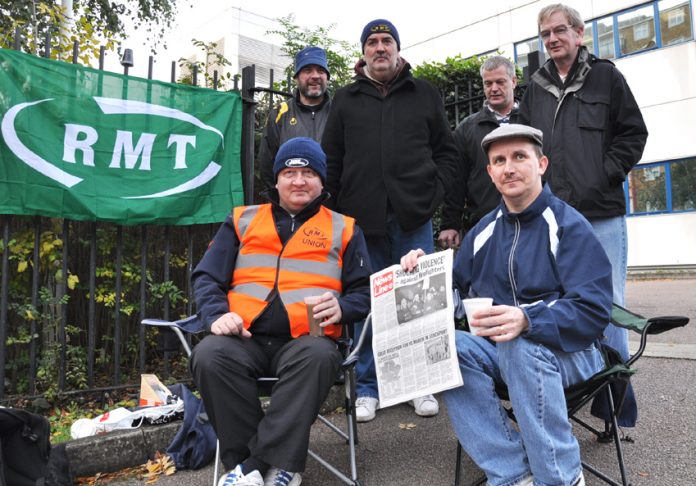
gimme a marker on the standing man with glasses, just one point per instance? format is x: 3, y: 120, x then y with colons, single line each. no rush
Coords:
x: 594, y: 135
x: 474, y: 195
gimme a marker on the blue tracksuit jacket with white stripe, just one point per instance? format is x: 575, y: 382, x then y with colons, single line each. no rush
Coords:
x: 545, y: 260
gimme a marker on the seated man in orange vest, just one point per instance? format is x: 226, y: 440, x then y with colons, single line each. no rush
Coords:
x: 250, y: 288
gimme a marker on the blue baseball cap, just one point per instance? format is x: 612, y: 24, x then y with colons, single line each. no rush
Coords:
x: 311, y: 55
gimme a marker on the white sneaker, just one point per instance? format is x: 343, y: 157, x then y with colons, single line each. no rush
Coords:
x: 580, y: 481
x: 237, y: 478
x: 365, y: 408
x: 528, y: 481
x: 280, y: 477
x: 425, y: 406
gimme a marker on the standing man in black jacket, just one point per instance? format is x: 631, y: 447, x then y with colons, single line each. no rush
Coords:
x: 391, y: 159
x: 303, y: 115
x: 474, y: 195
x: 594, y: 134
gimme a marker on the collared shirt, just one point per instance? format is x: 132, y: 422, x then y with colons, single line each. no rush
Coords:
x: 502, y: 119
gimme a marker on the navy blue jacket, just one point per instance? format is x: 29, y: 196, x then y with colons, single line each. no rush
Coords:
x: 213, y: 275
x: 545, y: 260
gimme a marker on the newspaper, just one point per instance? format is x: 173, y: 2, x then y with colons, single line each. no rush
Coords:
x: 413, y: 330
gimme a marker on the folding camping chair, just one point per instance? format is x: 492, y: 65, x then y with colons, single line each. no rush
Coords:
x: 613, y: 380
x: 184, y: 328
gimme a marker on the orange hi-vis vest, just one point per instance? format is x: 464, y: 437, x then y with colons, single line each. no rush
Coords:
x: 310, y: 264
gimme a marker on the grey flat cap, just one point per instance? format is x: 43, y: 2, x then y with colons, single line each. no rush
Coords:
x: 512, y: 130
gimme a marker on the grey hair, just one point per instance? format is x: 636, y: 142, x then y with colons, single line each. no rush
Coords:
x: 494, y: 62
x: 570, y: 13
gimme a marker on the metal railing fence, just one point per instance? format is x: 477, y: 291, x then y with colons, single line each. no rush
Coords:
x: 72, y: 293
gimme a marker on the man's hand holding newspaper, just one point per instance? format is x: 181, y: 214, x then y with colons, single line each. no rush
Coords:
x: 413, y: 327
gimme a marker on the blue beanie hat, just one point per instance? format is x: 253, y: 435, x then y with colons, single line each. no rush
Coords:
x: 311, y: 55
x: 380, y: 26
x: 300, y: 152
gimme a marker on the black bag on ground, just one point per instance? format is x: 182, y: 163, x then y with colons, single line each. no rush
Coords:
x: 194, y: 444
x: 24, y: 448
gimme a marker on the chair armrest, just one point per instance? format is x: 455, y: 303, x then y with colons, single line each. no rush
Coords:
x: 181, y: 327
x: 353, y: 356
x: 191, y: 324
x: 658, y: 325
x: 626, y: 319
x: 623, y: 317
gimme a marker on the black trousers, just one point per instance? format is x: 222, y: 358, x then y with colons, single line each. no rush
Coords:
x: 226, y: 368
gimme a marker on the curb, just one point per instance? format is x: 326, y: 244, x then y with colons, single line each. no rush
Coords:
x: 666, y: 350
x: 128, y: 448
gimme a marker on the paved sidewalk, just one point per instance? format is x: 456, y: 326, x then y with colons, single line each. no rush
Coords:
x: 390, y: 454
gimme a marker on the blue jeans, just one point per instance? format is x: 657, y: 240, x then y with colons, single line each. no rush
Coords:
x: 535, y: 376
x: 611, y: 233
x: 385, y: 251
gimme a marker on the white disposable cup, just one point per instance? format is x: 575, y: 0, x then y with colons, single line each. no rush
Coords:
x: 471, y: 306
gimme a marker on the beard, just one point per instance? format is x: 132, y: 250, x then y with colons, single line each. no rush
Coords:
x: 312, y: 92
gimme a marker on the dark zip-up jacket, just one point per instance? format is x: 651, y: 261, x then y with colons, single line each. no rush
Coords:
x: 474, y: 195
x: 388, y: 152
x: 289, y: 120
x: 594, y: 132
x: 545, y: 260
x: 213, y: 274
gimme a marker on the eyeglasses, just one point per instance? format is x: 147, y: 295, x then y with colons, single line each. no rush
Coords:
x: 559, y: 31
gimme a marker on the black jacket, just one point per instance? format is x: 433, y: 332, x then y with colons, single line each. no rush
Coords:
x: 594, y: 132
x: 213, y: 275
x: 394, y: 151
x: 289, y: 120
x: 474, y: 195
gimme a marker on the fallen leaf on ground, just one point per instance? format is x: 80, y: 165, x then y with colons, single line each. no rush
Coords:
x: 407, y: 426
x: 106, y: 478
x: 162, y: 464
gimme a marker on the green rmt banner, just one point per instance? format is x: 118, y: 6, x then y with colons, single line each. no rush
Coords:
x: 85, y: 144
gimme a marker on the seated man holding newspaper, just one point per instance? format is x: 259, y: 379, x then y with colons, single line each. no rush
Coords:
x: 550, y: 281
x: 250, y: 288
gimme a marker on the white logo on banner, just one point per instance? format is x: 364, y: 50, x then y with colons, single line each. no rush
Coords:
x: 123, y: 148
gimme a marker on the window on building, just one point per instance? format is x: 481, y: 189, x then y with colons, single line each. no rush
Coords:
x: 588, y: 38
x: 662, y: 187
x: 605, y: 38
x: 675, y: 18
x: 675, y: 21
x: 683, y: 176
x: 494, y: 52
x: 647, y: 189
x: 524, y: 49
x: 637, y: 30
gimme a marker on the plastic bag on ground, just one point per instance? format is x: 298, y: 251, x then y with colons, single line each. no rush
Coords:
x: 123, y: 418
